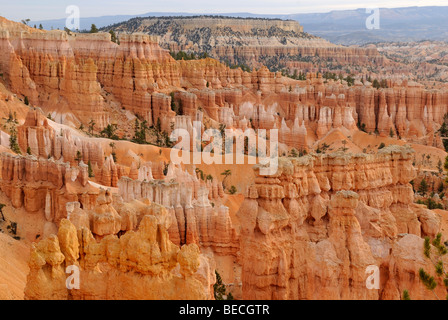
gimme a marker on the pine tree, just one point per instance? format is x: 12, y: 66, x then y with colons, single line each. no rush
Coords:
x: 109, y: 131
x: 13, y: 141
x: 294, y: 75
x: 113, y: 36
x: 445, y: 165
x: 232, y: 190
x: 93, y: 29
x: 226, y: 173
x: 91, y: 126
x: 140, y: 132
x: 427, y: 280
x: 441, y: 250
x: 219, y: 289
x: 423, y: 188
x: 406, y: 295
x: 200, y: 172
x: 90, y: 170
x: 376, y: 84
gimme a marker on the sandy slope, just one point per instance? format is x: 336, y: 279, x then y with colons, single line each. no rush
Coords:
x: 14, y: 257
x: 358, y: 141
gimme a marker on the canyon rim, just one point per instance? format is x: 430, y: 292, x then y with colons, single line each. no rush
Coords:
x: 220, y: 157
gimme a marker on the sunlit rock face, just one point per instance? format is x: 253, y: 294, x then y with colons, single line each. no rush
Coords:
x: 312, y: 230
x: 45, y: 184
x: 309, y: 232
x: 116, y: 268
x: 74, y: 77
x: 252, y: 42
x: 195, y: 207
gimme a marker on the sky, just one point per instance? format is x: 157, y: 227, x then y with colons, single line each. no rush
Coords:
x: 56, y: 9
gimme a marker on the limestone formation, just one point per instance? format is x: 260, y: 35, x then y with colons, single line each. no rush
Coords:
x: 138, y: 265
x: 332, y: 216
x: 132, y: 220
x: 188, y: 200
x: 259, y: 40
x: 45, y: 184
x: 139, y: 74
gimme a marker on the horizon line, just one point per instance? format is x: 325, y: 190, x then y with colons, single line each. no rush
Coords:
x: 229, y: 13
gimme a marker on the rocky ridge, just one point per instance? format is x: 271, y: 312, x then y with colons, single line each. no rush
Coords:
x: 311, y: 231
x: 340, y: 211
x: 138, y: 75
x: 116, y: 268
x: 253, y: 42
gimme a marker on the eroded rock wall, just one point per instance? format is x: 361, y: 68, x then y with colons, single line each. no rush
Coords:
x: 139, y: 265
x: 311, y: 231
x: 75, y: 77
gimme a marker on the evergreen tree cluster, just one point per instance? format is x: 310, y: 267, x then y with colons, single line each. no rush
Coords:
x: 243, y: 67
x: 113, y: 37
x: 379, y: 84
x: 182, y: 55
x: 11, y: 124
x: 140, y: 131
x: 436, y: 258
x: 109, y: 132
x: 220, y: 290
x: 443, y: 131
x: 296, y: 75
x: 93, y: 29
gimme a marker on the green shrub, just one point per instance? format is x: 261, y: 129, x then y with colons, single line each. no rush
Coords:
x: 232, y: 190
